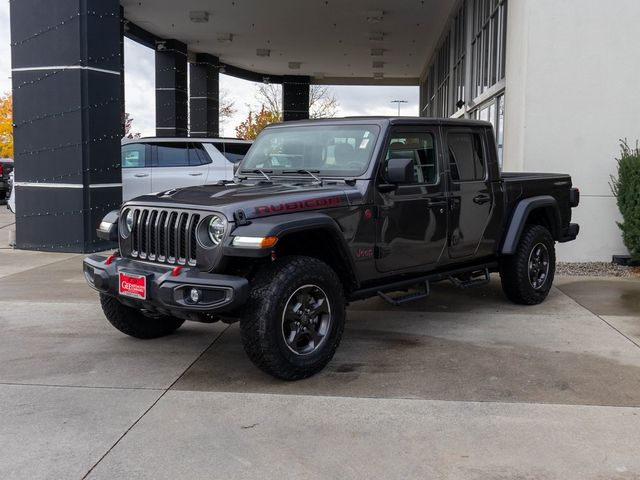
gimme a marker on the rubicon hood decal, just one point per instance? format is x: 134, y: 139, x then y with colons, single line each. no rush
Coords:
x: 296, y: 206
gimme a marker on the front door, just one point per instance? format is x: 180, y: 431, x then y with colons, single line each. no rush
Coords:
x: 136, y: 170
x: 412, y: 220
x: 472, y: 199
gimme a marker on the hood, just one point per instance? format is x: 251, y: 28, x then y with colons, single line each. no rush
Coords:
x: 255, y: 199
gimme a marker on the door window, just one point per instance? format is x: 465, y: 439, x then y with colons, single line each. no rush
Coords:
x: 420, y: 148
x: 234, y: 152
x: 133, y: 155
x: 172, y: 154
x: 197, y: 155
x: 466, y: 157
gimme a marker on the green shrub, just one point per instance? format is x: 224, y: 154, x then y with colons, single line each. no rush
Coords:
x: 626, y: 188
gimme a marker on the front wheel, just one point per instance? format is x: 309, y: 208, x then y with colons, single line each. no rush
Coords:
x: 294, y: 319
x: 527, y: 275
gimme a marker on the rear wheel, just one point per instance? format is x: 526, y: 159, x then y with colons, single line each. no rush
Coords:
x: 527, y: 275
x: 134, y: 323
x: 293, y: 322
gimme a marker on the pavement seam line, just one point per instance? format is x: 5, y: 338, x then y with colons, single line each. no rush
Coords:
x: 153, y: 404
x: 97, y: 387
x: 601, y: 319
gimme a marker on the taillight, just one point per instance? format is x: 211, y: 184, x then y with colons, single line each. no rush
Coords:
x: 1, y: 169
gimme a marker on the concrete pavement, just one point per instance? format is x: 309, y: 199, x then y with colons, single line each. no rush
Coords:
x: 461, y: 385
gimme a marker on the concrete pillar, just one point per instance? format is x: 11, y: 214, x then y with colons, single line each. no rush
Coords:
x: 204, y: 96
x: 295, y: 98
x: 171, y: 89
x: 66, y: 111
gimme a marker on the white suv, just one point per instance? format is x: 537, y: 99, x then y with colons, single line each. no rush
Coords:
x: 157, y: 164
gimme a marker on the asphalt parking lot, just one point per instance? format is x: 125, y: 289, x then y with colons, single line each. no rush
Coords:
x: 461, y: 385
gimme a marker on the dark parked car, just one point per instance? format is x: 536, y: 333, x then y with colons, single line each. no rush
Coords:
x: 6, y: 167
x: 322, y: 213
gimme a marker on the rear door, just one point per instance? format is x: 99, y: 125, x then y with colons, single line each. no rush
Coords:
x: 472, y: 199
x: 178, y: 164
x: 136, y: 170
x: 412, y: 220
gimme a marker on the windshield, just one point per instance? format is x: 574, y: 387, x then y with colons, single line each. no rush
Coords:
x: 332, y: 150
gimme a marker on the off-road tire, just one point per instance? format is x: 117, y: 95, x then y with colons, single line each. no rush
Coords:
x: 261, y: 319
x: 134, y: 323
x: 514, y: 269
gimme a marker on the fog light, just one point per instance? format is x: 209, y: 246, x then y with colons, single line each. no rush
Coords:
x: 195, y: 295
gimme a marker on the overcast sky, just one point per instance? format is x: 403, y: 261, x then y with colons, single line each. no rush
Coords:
x: 140, y: 88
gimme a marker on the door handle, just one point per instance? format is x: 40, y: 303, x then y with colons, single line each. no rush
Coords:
x: 436, y: 202
x: 140, y: 175
x: 482, y: 198
x: 196, y: 174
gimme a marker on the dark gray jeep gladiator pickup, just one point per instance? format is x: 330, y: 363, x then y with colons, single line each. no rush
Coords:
x: 325, y: 212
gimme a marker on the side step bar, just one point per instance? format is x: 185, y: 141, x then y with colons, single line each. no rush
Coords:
x: 477, y: 277
x: 423, y: 283
x: 423, y: 292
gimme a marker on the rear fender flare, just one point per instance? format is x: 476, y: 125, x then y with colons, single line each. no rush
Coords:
x: 520, y: 216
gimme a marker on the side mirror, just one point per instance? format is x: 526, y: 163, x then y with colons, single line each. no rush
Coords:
x: 400, y: 170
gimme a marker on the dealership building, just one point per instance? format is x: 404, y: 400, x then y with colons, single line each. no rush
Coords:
x: 558, y: 80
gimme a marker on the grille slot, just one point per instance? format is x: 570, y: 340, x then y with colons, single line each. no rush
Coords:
x: 164, y: 236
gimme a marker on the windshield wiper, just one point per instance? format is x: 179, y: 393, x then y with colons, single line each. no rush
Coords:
x: 308, y: 172
x: 258, y: 170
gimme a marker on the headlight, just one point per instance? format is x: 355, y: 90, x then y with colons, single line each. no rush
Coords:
x: 217, y: 227
x: 128, y: 220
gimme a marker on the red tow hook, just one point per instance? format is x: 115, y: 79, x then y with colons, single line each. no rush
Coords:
x: 109, y: 259
x: 176, y: 271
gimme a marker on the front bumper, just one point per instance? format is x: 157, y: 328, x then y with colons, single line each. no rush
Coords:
x: 168, y: 294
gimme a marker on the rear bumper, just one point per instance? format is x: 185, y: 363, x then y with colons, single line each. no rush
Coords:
x: 168, y: 294
x: 569, y: 233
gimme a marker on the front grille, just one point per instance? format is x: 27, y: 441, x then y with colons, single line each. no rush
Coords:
x: 164, y: 236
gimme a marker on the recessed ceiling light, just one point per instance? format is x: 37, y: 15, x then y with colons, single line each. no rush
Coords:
x: 263, y: 52
x: 377, y: 52
x: 377, y: 64
x: 294, y: 65
x: 375, y: 16
x: 225, y: 37
x: 199, y: 16
x: 378, y: 75
x: 376, y: 36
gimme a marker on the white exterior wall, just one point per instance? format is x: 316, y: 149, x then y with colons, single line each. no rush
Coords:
x: 572, y: 91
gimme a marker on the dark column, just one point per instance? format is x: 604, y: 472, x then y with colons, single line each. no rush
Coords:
x: 122, y: 105
x: 295, y: 97
x: 171, y: 89
x: 204, y: 93
x: 66, y: 110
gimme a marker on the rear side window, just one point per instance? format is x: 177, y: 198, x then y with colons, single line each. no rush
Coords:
x: 179, y: 154
x: 134, y: 155
x: 172, y: 154
x: 234, y: 152
x: 466, y: 157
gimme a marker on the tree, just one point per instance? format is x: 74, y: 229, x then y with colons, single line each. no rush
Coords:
x: 322, y: 101
x: 128, y: 123
x: 626, y: 188
x: 253, y: 125
x: 227, y: 106
x: 6, y: 126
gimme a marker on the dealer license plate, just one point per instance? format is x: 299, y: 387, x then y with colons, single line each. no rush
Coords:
x: 131, y: 285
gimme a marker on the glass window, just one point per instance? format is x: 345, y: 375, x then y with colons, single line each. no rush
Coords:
x: 172, y: 154
x: 342, y: 150
x: 466, y: 157
x: 133, y: 155
x: 197, y: 155
x: 234, y: 152
x: 420, y: 148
